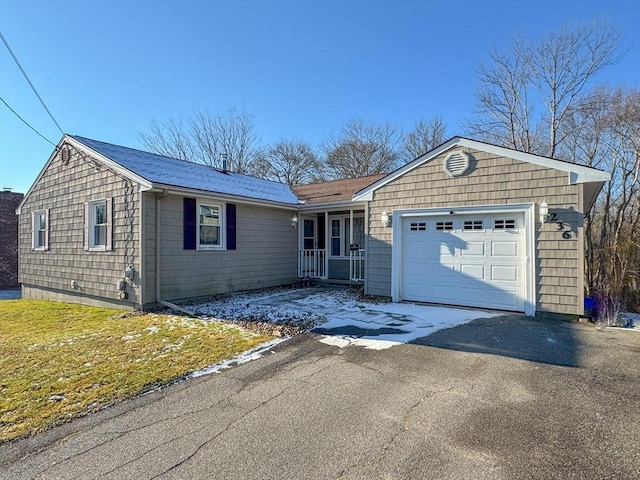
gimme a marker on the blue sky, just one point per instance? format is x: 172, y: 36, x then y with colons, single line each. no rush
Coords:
x: 107, y: 68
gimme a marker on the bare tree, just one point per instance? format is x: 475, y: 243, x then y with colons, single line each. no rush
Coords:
x: 293, y: 162
x: 605, y: 132
x: 169, y: 138
x: 205, y: 137
x: 362, y: 148
x: 425, y: 136
x: 524, y: 95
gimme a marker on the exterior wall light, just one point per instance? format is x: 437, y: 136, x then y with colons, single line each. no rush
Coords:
x: 294, y: 220
x: 543, y: 210
x: 385, y: 219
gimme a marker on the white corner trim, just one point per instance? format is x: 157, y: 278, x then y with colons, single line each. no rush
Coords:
x: 528, y: 209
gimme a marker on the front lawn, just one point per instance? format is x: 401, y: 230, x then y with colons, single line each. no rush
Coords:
x: 59, y: 361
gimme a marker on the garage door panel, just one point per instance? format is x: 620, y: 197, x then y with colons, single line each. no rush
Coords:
x: 473, y: 271
x: 504, y: 249
x: 475, y: 249
x: 469, y: 296
x: 506, y: 299
x: 472, y: 267
x: 506, y: 273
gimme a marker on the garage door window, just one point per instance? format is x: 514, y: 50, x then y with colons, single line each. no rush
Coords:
x: 418, y: 226
x: 444, y: 226
x: 473, y: 225
x: 504, y: 224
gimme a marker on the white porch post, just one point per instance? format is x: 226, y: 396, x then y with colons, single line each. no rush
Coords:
x: 350, y: 243
x: 326, y: 244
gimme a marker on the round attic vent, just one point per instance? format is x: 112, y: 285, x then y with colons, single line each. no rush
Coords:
x: 457, y: 163
x: 65, y: 155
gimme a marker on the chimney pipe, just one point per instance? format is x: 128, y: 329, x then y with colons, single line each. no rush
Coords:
x: 223, y: 160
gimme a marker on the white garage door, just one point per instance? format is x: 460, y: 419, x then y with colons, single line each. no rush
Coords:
x: 475, y: 261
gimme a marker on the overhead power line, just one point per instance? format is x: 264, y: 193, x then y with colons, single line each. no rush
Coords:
x: 15, y: 59
x: 25, y: 122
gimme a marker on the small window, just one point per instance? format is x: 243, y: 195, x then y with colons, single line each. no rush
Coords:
x: 473, y: 225
x: 504, y: 224
x: 445, y: 226
x: 418, y: 226
x: 335, y: 238
x: 209, y: 226
x: 98, y: 225
x: 40, y: 232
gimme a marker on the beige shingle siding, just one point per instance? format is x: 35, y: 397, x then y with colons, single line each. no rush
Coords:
x: 265, y: 254
x: 64, y: 190
x: 493, y: 180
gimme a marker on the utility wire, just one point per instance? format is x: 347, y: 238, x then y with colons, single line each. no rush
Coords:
x: 15, y: 59
x: 25, y: 122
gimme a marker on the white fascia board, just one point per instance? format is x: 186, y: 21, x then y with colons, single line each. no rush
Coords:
x: 577, y: 173
x: 192, y: 192
x: 367, y: 193
x: 46, y: 165
x: 324, y: 207
x: 143, y: 183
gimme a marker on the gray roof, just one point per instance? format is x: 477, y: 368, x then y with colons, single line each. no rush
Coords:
x: 162, y: 170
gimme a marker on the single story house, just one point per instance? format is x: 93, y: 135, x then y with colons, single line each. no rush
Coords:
x: 467, y: 223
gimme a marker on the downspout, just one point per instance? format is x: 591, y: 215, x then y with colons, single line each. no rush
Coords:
x: 158, y: 247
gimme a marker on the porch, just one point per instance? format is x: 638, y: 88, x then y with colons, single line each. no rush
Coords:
x: 332, y: 245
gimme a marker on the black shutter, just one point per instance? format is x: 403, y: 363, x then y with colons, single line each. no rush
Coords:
x: 231, y: 226
x: 189, y: 227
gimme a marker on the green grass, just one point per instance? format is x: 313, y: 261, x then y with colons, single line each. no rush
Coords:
x: 59, y: 361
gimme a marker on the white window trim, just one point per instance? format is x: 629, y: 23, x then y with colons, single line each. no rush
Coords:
x: 34, y: 230
x: 90, y: 224
x: 344, y: 255
x: 527, y: 209
x: 221, y: 206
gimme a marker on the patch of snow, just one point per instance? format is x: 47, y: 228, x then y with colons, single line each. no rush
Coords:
x: 244, y: 357
x: 152, y: 329
x: 381, y: 326
x: 339, y: 315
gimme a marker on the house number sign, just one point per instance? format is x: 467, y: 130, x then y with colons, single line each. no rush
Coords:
x: 563, y: 227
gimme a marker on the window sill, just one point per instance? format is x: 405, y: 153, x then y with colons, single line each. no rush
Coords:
x: 210, y: 248
x: 98, y: 249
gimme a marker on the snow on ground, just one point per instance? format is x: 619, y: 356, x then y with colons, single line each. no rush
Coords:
x: 339, y: 315
x: 244, y: 357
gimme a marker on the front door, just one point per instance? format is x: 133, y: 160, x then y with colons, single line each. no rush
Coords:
x: 308, y: 233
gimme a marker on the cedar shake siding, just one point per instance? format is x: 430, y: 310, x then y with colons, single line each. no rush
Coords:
x: 492, y: 180
x: 264, y: 254
x: 63, y: 191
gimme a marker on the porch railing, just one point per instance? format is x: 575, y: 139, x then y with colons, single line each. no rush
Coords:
x: 356, y: 265
x: 312, y: 263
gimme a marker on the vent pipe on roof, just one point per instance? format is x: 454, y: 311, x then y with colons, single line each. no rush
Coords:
x: 223, y: 161
x: 7, y: 189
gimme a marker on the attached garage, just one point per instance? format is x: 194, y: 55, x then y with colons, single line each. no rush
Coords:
x: 474, y: 260
x: 464, y: 224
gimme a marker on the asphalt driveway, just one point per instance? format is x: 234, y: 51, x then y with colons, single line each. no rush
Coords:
x: 499, y: 398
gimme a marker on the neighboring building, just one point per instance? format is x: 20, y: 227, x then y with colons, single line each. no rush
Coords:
x: 461, y: 225
x: 9, y: 202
